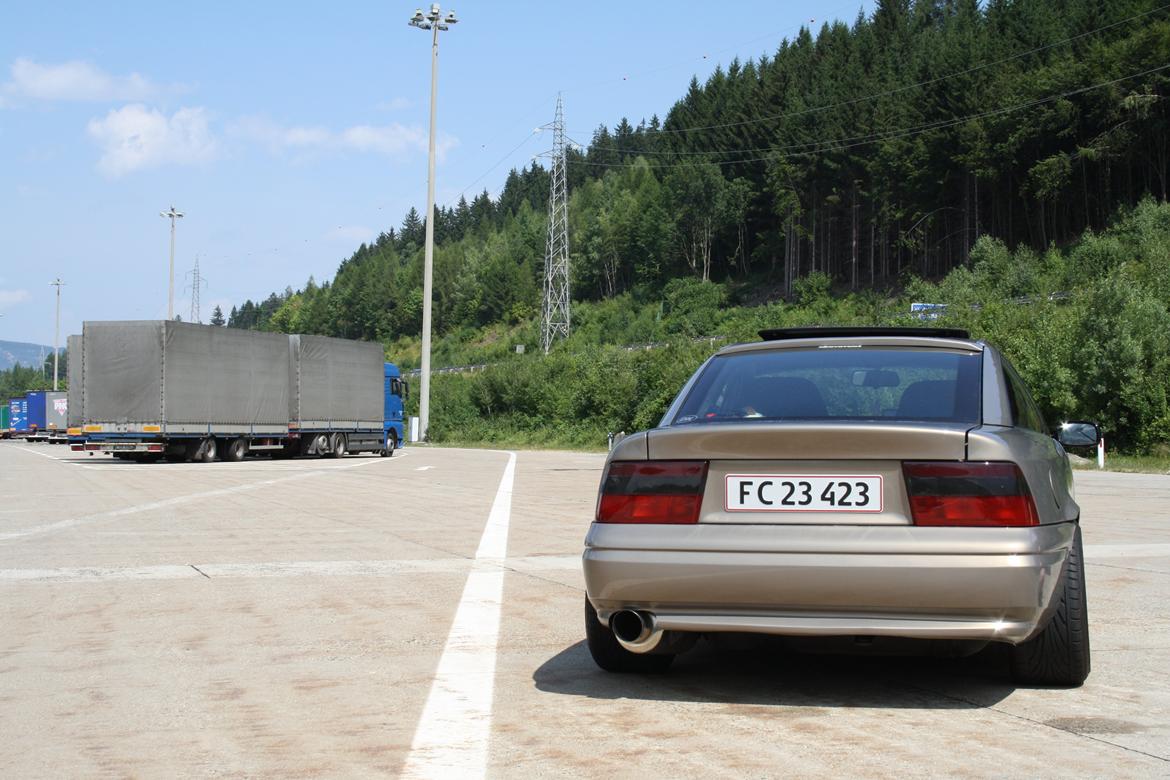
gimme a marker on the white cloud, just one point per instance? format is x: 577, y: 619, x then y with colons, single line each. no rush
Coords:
x: 74, y: 81
x: 392, y: 140
x: 12, y: 297
x: 135, y: 137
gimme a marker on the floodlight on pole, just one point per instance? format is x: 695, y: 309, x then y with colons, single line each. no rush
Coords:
x: 57, y: 330
x: 171, y: 285
x: 435, y: 22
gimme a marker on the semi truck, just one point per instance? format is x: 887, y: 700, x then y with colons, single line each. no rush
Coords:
x: 153, y: 390
x: 47, y: 416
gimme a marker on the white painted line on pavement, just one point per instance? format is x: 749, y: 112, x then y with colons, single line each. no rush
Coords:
x: 424, y: 468
x: 94, y: 574
x: 454, y: 732
x: 288, y: 569
x: 1131, y: 550
x: 30, y: 451
x: 62, y: 525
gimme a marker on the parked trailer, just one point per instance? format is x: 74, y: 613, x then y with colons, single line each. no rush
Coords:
x: 5, y: 420
x: 74, y: 386
x: 183, y: 391
x: 56, y: 416
x: 18, y: 417
x: 46, y: 416
x: 336, y: 395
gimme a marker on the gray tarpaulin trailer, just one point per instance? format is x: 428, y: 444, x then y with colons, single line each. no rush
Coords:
x: 183, y: 390
x: 181, y: 378
x: 335, y: 385
x: 74, y: 383
x: 56, y: 416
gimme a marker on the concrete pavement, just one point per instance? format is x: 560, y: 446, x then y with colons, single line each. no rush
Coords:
x: 314, y: 617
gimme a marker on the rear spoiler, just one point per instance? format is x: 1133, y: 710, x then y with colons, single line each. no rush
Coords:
x: 783, y: 334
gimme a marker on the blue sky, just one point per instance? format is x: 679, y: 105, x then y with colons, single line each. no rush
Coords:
x: 288, y: 133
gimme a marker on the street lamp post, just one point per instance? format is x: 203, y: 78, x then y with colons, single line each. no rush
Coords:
x: 433, y: 21
x: 171, y: 285
x: 57, y: 330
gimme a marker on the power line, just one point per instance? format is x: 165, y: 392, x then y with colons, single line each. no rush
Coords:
x: 840, y: 144
x: 897, y: 90
x: 497, y: 164
x: 831, y: 14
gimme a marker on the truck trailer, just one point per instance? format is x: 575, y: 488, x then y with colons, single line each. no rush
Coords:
x: 5, y: 420
x: 18, y: 417
x: 47, y: 418
x: 159, y: 389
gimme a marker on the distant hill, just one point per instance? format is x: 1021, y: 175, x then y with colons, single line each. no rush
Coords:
x: 18, y: 353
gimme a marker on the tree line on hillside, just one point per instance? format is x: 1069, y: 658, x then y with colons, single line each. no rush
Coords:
x: 18, y: 380
x: 867, y: 152
x: 1099, y: 351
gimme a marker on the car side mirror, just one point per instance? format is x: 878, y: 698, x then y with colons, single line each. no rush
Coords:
x: 1078, y: 434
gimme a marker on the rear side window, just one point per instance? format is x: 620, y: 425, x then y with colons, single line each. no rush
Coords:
x: 863, y: 383
x: 1025, y: 413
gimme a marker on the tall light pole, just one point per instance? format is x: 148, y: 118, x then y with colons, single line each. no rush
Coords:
x: 57, y: 330
x: 171, y: 286
x: 433, y: 21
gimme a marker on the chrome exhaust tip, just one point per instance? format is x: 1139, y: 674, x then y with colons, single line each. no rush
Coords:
x: 635, y: 631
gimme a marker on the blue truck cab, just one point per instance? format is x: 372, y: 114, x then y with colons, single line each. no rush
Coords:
x: 393, y: 415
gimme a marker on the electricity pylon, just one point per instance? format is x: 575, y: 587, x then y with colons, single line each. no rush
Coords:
x: 197, y: 283
x: 555, y: 321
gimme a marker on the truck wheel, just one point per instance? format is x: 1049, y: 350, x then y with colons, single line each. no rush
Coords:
x: 611, y: 656
x: 337, y: 446
x: 391, y: 444
x: 236, y: 450
x: 1059, y: 655
x: 208, y: 451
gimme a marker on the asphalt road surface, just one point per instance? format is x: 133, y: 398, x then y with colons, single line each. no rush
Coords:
x: 422, y: 616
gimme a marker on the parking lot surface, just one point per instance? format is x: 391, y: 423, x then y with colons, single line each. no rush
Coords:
x: 422, y: 615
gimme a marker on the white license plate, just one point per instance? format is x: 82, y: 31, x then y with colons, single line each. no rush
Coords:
x: 802, y: 493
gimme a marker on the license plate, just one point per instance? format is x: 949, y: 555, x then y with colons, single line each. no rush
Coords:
x: 120, y: 447
x: 802, y: 493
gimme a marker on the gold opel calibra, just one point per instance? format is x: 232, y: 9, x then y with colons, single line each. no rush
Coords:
x: 844, y: 482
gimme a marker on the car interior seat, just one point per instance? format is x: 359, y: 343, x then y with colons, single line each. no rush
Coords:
x: 783, y: 397
x: 928, y: 399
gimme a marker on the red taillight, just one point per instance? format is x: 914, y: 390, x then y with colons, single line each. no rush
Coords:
x: 652, y: 491
x: 969, y: 494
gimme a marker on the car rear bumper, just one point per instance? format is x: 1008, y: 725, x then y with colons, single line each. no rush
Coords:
x: 936, y: 583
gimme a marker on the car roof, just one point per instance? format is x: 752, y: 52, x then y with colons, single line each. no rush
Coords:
x: 814, y: 337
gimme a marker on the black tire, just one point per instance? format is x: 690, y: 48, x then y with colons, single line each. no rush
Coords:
x: 338, y: 446
x: 208, y: 451
x: 1059, y: 655
x: 237, y: 449
x: 391, y: 444
x: 611, y: 656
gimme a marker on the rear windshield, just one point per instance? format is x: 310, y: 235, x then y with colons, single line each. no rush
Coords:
x: 837, y: 384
